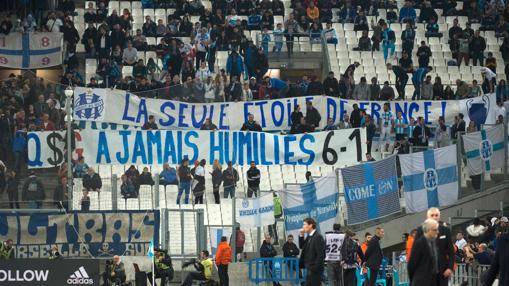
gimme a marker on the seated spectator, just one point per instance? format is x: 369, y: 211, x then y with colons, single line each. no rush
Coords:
x: 364, y: 42
x: 80, y: 168
x: 90, y: 13
x: 251, y: 124
x: 115, y: 272
x: 168, y: 176
x: 253, y: 20
x: 130, y: 55
x: 427, y: 13
x: 330, y: 125
x: 432, y: 29
x: 92, y: 181
x: 407, y: 13
x: 140, y: 70
x: 278, y: 8
x: 149, y: 27
x: 150, y: 124
x: 360, y: 22
x: 193, y: 7
x: 331, y: 85
x: 146, y: 177
x: 347, y: 13
x: 128, y: 188
x: 392, y: 16
x: 475, y: 89
x: 312, y: 12
x: 330, y: 34
x: 387, y: 92
x: 267, y: 20
x: 315, y: 33
x: 315, y: 87
x: 139, y: 41
x: 208, y: 125
x: 361, y: 91
x: 301, y: 127
x: 491, y: 62
x: 46, y: 124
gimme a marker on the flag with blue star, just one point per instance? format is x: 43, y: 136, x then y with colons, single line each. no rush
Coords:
x: 484, y: 149
x: 430, y: 178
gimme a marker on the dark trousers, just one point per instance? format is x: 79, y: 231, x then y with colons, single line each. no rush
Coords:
x: 215, y: 191
x: 370, y: 142
x: 349, y: 278
x: 159, y: 274
x: 477, y: 57
x: 222, y: 270
x: 252, y: 191
x: 373, y: 273
x: 400, y: 86
x: 200, y: 57
x: 313, y: 279
x: 198, y: 199
x: 192, y: 276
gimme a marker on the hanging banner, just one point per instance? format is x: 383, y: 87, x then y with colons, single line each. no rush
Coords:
x: 81, y: 234
x: 257, y: 212
x: 484, y: 149
x: 30, y: 50
x: 46, y: 272
x: 317, y: 199
x: 143, y: 147
x: 430, y: 178
x: 121, y: 107
x: 371, y: 190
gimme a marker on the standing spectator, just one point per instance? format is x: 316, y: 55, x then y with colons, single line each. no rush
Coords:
x: 407, y: 14
x: 355, y: 116
x: 374, y: 90
x: 477, y: 47
x: 267, y: 250
x: 389, y: 40
x: 92, y: 181
x: 491, y: 62
x: 278, y: 213
x: 401, y: 79
x: 409, y: 243
x: 500, y: 263
x: 234, y: 65
x: 80, y: 168
x: 217, y: 179
x: 460, y: 241
x: 223, y: 258
x: 423, y: 264
x: 313, y: 117
x: 230, y: 179
x: 423, y: 55
x: 184, y: 175
x: 253, y: 180
x: 33, y: 191
x: 11, y: 186
x: 427, y: 89
x: 313, y: 252
x: 386, y: 125
x: 374, y: 255
x: 290, y: 38
x: 417, y: 80
x: 490, y: 79
x: 199, y: 188
x: 351, y: 254
x: 421, y: 133
x: 333, y: 241
x: 315, y: 87
x: 442, y: 133
x: 370, y: 132
x: 240, y: 240
x: 251, y: 124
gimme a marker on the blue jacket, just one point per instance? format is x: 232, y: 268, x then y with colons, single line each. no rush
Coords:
x: 238, y: 63
x: 20, y: 142
x: 419, y: 75
x: 254, y: 20
x: 170, y: 176
x: 277, y: 83
x: 407, y: 12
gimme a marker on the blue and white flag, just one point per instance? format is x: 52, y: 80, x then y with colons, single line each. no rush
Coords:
x: 430, y: 178
x: 317, y: 199
x: 31, y: 50
x: 215, y: 234
x: 371, y: 190
x: 484, y: 149
x: 150, y: 252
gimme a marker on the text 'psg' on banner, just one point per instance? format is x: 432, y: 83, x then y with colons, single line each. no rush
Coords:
x: 46, y: 272
x: 77, y: 234
x: 140, y: 147
x: 30, y: 50
x: 371, y: 190
x: 317, y: 199
x: 124, y: 108
x: 430, y: 178
x: 484, y: 149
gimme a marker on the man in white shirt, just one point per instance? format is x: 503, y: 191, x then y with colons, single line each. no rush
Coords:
x: 130, y: 55
x: 54, y: 23
x: 386, y: 125
x: 202, y: 43
x: 490, y: 79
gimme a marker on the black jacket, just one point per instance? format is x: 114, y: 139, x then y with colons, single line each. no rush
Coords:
x: 420, y: 266
x: 145, y: 179
x: 418, y: 132
x: 253, y: 177
x: 445, y: 247
x: 230, y: 177
x: 217, y: 177
x: 355, y: 118
x: 373, y: 256
x: 331, y: 86
x: 290, y: 250
x: 33, y: 190
x: 313, y: 252
x: 500, y: 264
x: 92, y: 181
x: 313, y: 117
x: 267, y: 250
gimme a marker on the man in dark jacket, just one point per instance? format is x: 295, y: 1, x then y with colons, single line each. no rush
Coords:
x: 477, y: 47
x: 423, y: 54
x: 374, y: 255
x: 355, y: 116
x: 423, y: 264
x: 313, y: 252
x: 290, y: 249
x: 253, y: 180
x: 444, y: 245
x: 331, y: 85
x: 61, y: 195
x: 251, y: 124
x: 313, y: 117
x: 500, y: 263
x: 92, y: 181
x: 230, y: 178
x: 421, y: 133
x: 267, y: 250
x: 33, y: 191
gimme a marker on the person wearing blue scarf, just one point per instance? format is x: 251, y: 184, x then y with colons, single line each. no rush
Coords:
x: 389, y: 38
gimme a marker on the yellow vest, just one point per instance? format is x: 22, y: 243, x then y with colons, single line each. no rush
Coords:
x: 207, y: 268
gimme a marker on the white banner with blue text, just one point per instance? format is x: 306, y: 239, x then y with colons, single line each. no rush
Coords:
x: 121, y: 107
x: 155, y: 147
x: 257, y: 212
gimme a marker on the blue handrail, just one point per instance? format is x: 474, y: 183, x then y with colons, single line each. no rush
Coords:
x: 276, y: 269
